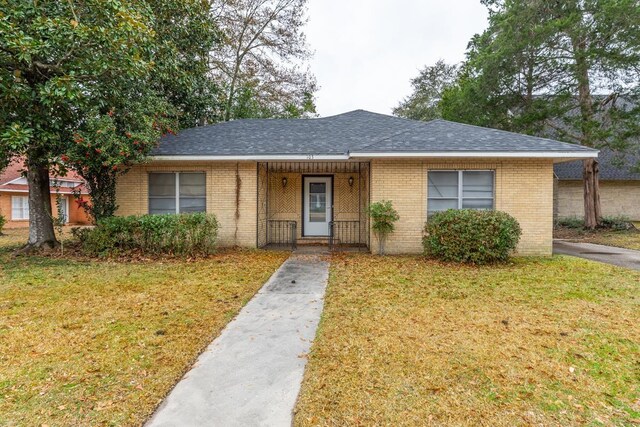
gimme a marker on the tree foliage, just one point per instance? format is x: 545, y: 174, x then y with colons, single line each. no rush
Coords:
x: 92, y: 84
x: 261, y: 60
x: 566, y: 69
x: 428, y: 87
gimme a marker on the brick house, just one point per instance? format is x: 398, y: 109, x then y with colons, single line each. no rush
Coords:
x: 14, y: 196
x: 619, y: 187
x: 274, y: 181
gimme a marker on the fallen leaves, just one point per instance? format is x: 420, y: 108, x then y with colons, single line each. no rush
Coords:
x: 85, y: 342
x: 536, y: 342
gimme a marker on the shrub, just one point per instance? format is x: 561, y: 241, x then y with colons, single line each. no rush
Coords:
x: 383, y: 217
x: 184, y: 234
x: 3, y: 221
x: 471, y: 236
x: 618, y: 222
x: 570, y: 222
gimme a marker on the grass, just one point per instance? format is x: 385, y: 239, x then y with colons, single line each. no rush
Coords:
x: 405, y: 341
x: 101, y: 343
x: 629, y: 239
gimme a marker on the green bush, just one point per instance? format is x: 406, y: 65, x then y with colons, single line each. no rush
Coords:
x: 570, y: 222
x: 618, y: 222
x: 471, y: 236
x: 383, y: 218
x: 184, y: 234
x: 3, y: 221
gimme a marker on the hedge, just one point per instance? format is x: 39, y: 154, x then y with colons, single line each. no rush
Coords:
x: 184, y: 234
x: 471, y: 236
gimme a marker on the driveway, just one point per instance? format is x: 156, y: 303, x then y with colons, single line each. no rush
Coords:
x: 608, y: 254
x: 251, y: 374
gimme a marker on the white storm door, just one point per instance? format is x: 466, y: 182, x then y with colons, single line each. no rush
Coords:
x: 317, y: 205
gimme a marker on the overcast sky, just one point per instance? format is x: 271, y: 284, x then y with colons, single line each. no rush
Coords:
x: 366, y: 51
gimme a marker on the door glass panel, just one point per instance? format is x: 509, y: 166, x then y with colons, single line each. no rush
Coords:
x: 317, y: 202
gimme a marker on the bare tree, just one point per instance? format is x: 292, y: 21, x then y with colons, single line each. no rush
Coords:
x: 262, y: 61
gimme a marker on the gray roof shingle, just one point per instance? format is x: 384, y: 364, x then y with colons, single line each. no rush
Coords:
x: 352, y: 132
x: 613, y: 166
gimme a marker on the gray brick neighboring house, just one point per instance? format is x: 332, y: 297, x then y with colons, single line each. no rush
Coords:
x: 619, y: 186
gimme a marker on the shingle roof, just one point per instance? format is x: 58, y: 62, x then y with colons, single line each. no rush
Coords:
x: 352, y: 132
x: 613, y: 166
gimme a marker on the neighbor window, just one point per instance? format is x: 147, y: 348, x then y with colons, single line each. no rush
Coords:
x: 19, y: 207
x: 460, y: 190
x: 177, y: 192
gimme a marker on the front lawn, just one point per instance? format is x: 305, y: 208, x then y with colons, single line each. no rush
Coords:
x: 100, y: 342
x: 629, y: 239
x: 405, y: 341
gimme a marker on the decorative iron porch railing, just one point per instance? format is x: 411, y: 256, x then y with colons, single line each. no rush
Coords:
x: 282, y: 233
x: 346, y: 234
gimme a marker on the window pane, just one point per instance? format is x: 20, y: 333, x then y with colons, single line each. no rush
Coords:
x: 443, y: 184
x: 437, y: 205
x: 477, y: 203
x: 193, y: 204
x: 317, y: 187
x: 162, y: 185
x: 477, y: 184
x: 159, y: 206
x: 192, y: 184
x: 19, y: 207
x: 317, y: 207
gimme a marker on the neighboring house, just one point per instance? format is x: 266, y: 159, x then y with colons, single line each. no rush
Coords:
x: 271, y: 181
x: 619, y: 187
x: 14, y: 196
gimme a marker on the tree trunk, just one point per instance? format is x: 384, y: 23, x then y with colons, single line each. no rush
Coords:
x: 41, y: 232
x: 590, y: 167
x: 592, y: 213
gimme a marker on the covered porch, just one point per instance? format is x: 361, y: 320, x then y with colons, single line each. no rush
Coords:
x: 313, y: 203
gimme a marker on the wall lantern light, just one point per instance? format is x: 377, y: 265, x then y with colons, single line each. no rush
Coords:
x: 284, y: 182
x: 350, y: 181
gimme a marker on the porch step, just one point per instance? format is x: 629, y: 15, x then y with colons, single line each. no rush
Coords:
x: 310, y: 241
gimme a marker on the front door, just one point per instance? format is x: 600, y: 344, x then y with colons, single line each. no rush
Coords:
x: 317, y: 205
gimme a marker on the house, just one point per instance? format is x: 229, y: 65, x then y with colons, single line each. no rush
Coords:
x: 271, y: 181
x: 14, y: 196
x: 619, y: 187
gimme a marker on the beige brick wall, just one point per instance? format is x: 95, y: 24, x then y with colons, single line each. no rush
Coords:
x: 132, y: 195
x: 523, y: 188
x: 616, y: 198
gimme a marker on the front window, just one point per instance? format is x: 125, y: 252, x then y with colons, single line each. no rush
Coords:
x: 177, y: 192
x: 460, y: 190
x: 19, y: 208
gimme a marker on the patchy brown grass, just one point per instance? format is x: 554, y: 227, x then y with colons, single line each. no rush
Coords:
x: 16, y: 237
x: 629, y: 239
x: 405, y: 341
x: 101, y: 343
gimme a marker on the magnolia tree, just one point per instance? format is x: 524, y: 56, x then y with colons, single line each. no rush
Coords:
x: 85, y: 84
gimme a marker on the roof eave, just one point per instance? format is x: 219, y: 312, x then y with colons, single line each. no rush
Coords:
x: 261, y: 157
x: 568, y: 155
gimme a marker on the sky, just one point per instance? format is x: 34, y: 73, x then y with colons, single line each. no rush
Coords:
x: 367, y: 51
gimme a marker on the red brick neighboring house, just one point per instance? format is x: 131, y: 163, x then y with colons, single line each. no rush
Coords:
x: 14, y: 192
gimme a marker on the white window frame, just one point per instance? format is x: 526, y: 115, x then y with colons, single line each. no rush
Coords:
x: 177, y: 196
x: 23, y: 217
x: 461, y: 187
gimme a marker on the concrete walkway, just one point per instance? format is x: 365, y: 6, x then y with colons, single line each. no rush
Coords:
x: 608, y: 254
x: 251, y: 374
